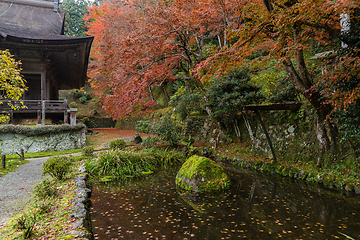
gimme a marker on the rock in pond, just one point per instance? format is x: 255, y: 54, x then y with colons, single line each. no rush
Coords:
x: 200, y: 174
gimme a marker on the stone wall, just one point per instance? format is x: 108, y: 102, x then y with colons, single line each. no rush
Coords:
x: 69, y: 138
x: 291, y: 133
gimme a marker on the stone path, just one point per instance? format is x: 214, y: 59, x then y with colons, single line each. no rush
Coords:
x: 16, y: 188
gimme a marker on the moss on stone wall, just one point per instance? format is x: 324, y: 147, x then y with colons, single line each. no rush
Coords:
x: 40, y: 130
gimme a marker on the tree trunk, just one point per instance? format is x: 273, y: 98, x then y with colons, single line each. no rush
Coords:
x: 237, y: 129
x: 166, y: 96
x: 303, y: 84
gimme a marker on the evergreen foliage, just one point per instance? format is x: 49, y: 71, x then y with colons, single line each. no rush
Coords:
x: 227, y: 95
x: 167, y: 130
x: 186, y: 102
x: 75, y: 12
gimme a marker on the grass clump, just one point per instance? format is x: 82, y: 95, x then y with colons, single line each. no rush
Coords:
x: 123, y: 164
x: 25, y: 225
x: 117, y: 144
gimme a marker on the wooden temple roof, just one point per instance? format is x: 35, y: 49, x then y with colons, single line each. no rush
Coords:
x: 38, y: 25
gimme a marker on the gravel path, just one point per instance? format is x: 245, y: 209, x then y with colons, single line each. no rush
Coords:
x: 16, y: 187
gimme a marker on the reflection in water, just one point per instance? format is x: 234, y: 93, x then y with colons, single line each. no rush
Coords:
x: 257, y: 207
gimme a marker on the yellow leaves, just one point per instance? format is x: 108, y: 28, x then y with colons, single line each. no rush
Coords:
x: 11, y: 82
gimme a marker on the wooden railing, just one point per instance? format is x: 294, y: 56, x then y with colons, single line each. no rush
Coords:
x: 41, y: 107
x: 31, y: 105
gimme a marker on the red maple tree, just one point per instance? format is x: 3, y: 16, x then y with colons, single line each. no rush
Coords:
x: 143, y: 43
x: 286, y: 30
x: 140, y: 44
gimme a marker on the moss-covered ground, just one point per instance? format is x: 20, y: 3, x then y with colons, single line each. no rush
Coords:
x: 341, y: 174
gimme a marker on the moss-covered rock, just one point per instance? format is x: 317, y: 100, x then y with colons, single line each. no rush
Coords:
x: 201, y: 174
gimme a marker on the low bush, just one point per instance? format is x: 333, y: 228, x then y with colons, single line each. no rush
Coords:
x: 143, y: 126
x: 78, y: 94
x: 117, y: 144
x: 58, y: 166
x: 83, y: 100
x: 88, y: 151
x: 167, y: 130
x: 150, y: 141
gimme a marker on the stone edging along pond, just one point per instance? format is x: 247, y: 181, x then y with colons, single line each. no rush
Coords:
x: 82, y: 225
x: 313, y: 177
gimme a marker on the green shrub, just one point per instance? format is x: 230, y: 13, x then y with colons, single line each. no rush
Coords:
x: 75, y: 94
x: 83, y: 100
x: 58, y: 166
x: 226, y: 95
x: 85, y: 120
x: 185, y: 103
x: 88, y: 96
x: 143, y: 126
x: 150, y: 141
x: 117, y: 144
x: 88, y: 151
x: 78, y: 94
x: 166, y: 128
x: 45, y: 189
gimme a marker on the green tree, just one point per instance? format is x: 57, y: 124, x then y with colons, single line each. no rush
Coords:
x: 75, y: 11
x: 12, y: 84
x: 227, y: 95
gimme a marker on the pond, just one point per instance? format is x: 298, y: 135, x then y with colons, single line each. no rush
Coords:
x: 256, y: 207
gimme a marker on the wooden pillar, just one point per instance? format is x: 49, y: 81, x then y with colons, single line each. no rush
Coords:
x: 43, y: 85
x: 66, y: 118
x: 73, y: 116
x: 3, y: 161
x: 22, y: 154
x: 38, y: 116
x: 43, y: 112
x: 266, y: 134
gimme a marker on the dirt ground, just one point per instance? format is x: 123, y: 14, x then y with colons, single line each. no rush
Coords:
x: 105, y: 135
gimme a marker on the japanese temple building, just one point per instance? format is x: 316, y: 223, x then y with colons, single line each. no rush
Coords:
x: 33, y: 31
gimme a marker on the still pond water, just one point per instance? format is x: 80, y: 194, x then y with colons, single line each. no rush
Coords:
x: 256, y: 207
